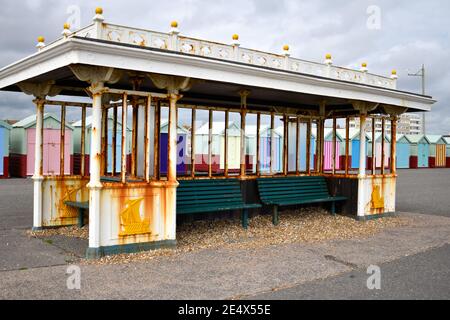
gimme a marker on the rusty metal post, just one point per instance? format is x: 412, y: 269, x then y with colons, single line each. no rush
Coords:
x: 172, y: 138
x: 382, y: 146
x: 347, y: 144
x: 62, y: 140
x: 225, y: 159
x: 123, y: 160
x: 362, y: 145
x: 156, y: 151
x: 297, y: 146
x: 104, y: 166
x: 83, y: 140
x: 316, y: 159
x: 114, y: 141
x: 210, y: 120
x: 258, y: 138
x: 244, y: 94
x: 134, y: 142
x: 308, y: 146
x: 38, y: 176
x: 393, y: 145
x: 285, y: 144
x: 147, y: 139
x: 193, y: 117
x: 321, y: 144
x: 374, y: 159
x: 272, y: 141
x: 334, y: 146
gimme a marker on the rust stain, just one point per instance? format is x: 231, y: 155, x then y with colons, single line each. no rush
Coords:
x: 377, y: 200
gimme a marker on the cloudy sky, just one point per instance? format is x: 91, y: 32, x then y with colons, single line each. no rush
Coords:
x: 409, y: 34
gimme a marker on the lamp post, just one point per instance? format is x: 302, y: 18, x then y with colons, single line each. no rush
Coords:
x: 421, y: 73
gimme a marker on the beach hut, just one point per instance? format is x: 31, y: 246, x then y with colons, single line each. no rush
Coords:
x: 378, y: 149
x: 22, y: 146
x: 182, y: 148
x: 403, y: 152
x: 77, y: 145
x: 354, y: 148
x: 264, y: 148
x: 5, y: 129
x: 437, y: 155
x: 420, y: 150
x: 447, y: 142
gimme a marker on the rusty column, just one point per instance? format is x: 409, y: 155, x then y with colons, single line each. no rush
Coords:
x: 147, y: 139
x: 38, y: 176
x: 225, y: 159
x: 210, y: 121
x: 103, y: 165
x: 172, y: 137
x: 244, y: 94
x: 83, y: 141
x: 297, y: 146
x: 134, y: 144
x: 114, y: 141
x: 347, y: 144
x: 258, y: 138
x: 285, y: 144
x: 334, y: 146
x: 63, y: 140
x: 123, y: 161
x: 193, y: 116
x: 362, y: 145
x: 308, y: 146
x: 374, y: 160
x: 393, y: 145
x: 382, y: 145
x: 157, y: 129
x: 272, y: 141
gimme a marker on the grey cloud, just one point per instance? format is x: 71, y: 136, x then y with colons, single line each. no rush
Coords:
x: 412, y: 33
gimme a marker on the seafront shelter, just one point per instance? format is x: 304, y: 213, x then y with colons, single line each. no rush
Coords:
x: 149, y: 75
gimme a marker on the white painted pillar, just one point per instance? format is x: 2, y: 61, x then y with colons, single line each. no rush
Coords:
x: 172, y: 137
x: 38, y: 176
x: 171, y: 187
x: 362, y: 167
x: 94, y: 184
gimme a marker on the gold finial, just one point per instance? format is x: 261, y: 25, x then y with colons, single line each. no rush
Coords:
x: 394, y: 72
x: 98, y: 10
x: 364, y: 65
x: 235, y: 36
x: 286, y: 47
x: 66, y: 26
x: 174, y: 24
x: 41, y: 39
x: 328, y: 56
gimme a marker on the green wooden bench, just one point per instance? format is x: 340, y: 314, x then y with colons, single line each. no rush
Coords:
x: 82, y: 207
x: 204, y: 196
x: 289, y: 191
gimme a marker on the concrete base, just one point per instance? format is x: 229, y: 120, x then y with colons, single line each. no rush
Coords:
x: 95, y: 253
x: 37, y: 228
x: 376, y: 216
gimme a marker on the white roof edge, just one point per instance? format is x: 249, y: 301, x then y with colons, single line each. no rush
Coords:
x: 75, y: 50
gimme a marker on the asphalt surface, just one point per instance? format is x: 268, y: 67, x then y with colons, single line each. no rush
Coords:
x: 422, y: 276
x: 424, y: 191
x: 414, y: 261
